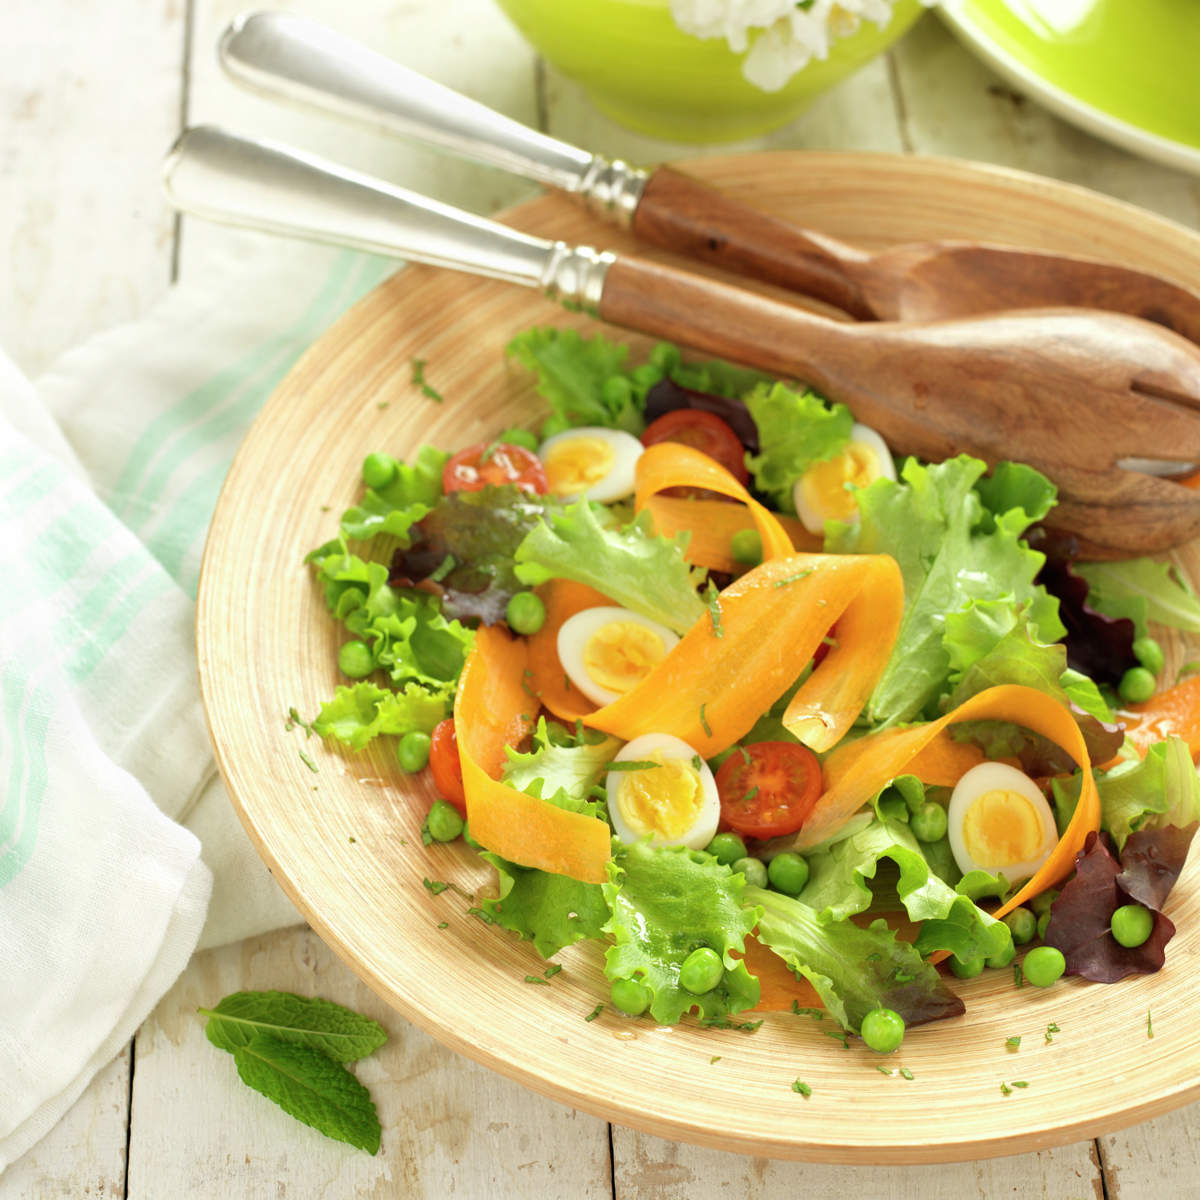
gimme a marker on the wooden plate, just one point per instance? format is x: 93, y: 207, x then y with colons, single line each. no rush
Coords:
x: 344, y: 841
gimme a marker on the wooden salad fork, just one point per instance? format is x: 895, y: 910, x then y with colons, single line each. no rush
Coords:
x: 1072, y: 392
x: 303, y: 61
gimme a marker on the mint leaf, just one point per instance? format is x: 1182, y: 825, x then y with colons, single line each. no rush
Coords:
x: 636, y: 569
x: 311, y: 1088
x: 336, y: 1032
x: 795, y: 430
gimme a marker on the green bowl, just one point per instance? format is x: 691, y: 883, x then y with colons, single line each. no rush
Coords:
x: 640, y: 69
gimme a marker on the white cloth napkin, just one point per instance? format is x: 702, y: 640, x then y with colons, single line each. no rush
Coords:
x: 119, y: 851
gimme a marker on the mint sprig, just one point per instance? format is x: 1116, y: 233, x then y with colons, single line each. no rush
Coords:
x: 290, y: 1048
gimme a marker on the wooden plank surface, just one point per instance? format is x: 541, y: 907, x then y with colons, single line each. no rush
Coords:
x: 89, y: 98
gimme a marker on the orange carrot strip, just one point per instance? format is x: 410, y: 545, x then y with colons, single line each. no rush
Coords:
x: 490, y: 713
x: 563, y: 598
x: 712, y: 524
x: 1175, y: 711
x: 710, y: 690
x: 854, y: 773
x: 672, y: 464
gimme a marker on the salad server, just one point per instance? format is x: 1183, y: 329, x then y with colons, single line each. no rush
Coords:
x: 303, y: 61
x: 1069, y: 391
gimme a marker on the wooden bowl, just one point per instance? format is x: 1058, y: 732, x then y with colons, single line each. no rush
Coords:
x: 344, y: 840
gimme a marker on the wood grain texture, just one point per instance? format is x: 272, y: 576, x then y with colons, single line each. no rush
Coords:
x: 345, y: 842
x: 451, y: 1128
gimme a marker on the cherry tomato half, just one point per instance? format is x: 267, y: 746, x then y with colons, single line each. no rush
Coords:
x: 768, y: 789
x: 446, y: 765
x: 472, y: 469
x: 704, y: 431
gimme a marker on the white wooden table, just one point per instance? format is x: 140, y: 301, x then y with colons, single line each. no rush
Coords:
x: 90, y: 97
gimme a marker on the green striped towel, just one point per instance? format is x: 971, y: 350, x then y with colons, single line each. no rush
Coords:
x: 119, y: 852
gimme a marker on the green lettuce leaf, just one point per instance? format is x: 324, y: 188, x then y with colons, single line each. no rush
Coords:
x: 667, y: 902
x: 363, y: 711
x: 854, y: 970
x: 632, y: 566
x: 1158, y: 790
x: 795, y: 430
x: 837, y: 889
x: 395, y: 508
x: 565, y: 775
x: 552, y: 911
x: 953, y: 550
x: 1142, y: 590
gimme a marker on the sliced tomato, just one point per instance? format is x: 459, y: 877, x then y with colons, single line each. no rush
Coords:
x: 705, y: 432
x: 472, y: 469
x: 768, y: 789
x: 446, y: 765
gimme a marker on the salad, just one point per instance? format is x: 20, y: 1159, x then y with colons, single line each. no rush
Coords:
x: 701, y: 672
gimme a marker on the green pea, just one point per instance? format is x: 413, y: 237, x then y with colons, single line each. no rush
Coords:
x: 665, y: 356
x: 1043, y: 966
x: 378, y: 470
x: 882, y: 1030
x: 1137, y: 685
x: 754, y: 869
x: 746, y: 547
x: 928, y: 823
x: 701, y: 971
x: 519, y: 437
x: 444, y: 821
x: 1043, y: 924
x: 727, y: 848
x: 412, y: 751
x: 968, y: 969
x: 1150, y: 654
x: 1132, y: 924
x: 630, y: 996
x: 555, y: 423
x: 1042, y: 901
x: 355, y: 659
x: 1003, y: 958
x: 525, y: 613
x: 1022, y: 924
x: 788, y: 873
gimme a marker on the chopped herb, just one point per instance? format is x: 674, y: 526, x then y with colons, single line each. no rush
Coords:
x: 536, y: 979
x: 418, y: 379
x: 443, y: 924
x: 594, y: 1013
x: 697, y: 762
x: 436, y: 886
x: 794, y: 578
x: 308, y: 762
x: 1013, y: 1043
x: 382, y: 404
x: 567, y: 687
x: 744, y: 753
x: 831, y: 642
x: 713, y: 599
x: 906, y: 1073
x: 1149, y: 1025
x: 1020, y: 1083
x: 443, y: 568
x: 1018, y: 976
x: 488, y: 451
x: 526, y: 676
x: 704, y: 721
x: 798, y: 1085
x: 353, y: 839
x: 1005, y: 1090
x: 816, y: 1013
x: 633, y: 764
x: 899, y: 976
x: 1051, y: 1030
x: 552, y: 970
x: 750, y: 795
x: 485, y: 917
x: 839, y: 1035
x: 716, y: 1058
x: 295, y: 719
x: 739, y: 1026
x: 883, y: 1070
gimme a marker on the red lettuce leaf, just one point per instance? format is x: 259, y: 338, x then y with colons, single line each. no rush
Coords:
x: 1081, y: 917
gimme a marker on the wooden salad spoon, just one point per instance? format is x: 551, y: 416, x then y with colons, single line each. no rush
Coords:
x: 1072, y: 392
x: 300, y: 60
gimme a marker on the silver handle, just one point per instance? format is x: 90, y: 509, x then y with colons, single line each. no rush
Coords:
x: 264, y: 186
x: 303, y: 61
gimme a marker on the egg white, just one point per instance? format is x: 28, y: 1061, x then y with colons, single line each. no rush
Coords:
x: 618, y: 482
x: 573, y: 636
x: 703, y: 826
x: 812, y: 514
x: 987, y: 777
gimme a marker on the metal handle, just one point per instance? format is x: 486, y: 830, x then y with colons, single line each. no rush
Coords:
x: 264, y: 186
x: 303, y: 61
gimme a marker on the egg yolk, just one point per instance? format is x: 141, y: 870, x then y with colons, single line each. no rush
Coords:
x: 1002, y: 827
x: 576, y: 464
x: 620, y: 654
x: 664, y: 800
x: 824, y: 485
